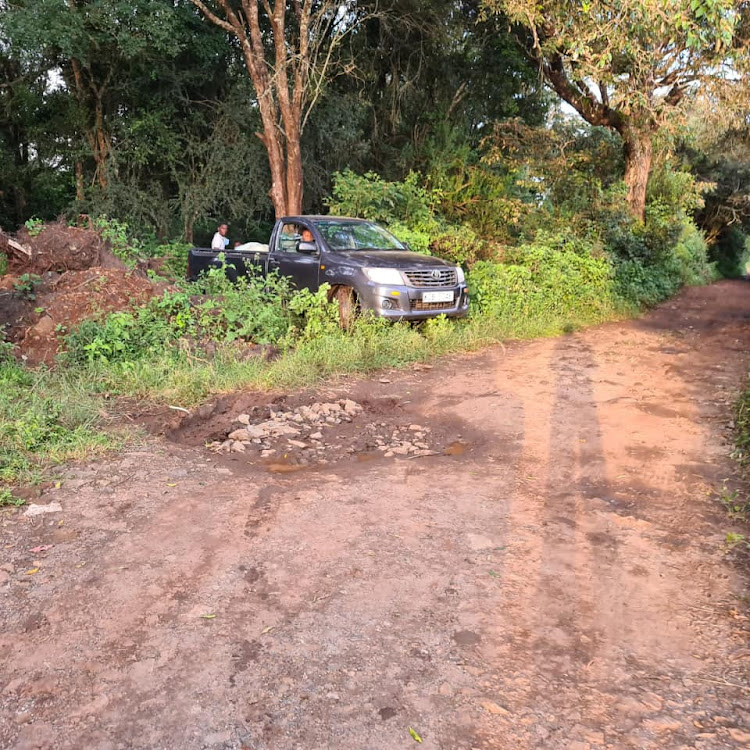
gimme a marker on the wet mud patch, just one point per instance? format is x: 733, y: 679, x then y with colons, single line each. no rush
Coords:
x: 658, y: 410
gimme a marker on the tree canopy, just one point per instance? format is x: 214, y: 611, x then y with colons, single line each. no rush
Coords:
x: 172, y: 115
x: 630, y: 64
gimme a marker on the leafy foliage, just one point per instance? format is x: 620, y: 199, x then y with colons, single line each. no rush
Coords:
x: 371, y: 197
x: 630, y: 65
x: 546, y: 280
x: 26, y: 285
x: 43, y: 420
x: 215, y: 310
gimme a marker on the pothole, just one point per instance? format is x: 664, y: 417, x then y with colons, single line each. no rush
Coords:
x: 324, y: 432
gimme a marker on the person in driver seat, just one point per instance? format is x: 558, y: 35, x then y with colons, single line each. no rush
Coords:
x: 307, y: 236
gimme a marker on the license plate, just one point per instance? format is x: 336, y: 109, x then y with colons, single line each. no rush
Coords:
x: 437, y: 296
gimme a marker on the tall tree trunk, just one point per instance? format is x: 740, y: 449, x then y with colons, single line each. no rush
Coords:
x: 271, y: 136
x: 277, y: 164
x: 293, y: 174
x: 188, y: 226
x: 284, y: 87
x: 79, y: 181
x: 638, y: 150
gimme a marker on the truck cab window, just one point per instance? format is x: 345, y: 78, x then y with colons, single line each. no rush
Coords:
x: 289, y: 237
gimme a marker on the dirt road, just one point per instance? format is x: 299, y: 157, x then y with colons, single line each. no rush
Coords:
x: 554, y: 578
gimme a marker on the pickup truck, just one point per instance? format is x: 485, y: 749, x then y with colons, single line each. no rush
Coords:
x: 366, y: 267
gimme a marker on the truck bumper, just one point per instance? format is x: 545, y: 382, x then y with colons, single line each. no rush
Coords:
x: 408, y: 303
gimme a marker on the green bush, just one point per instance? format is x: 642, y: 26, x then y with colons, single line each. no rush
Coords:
x: 654, y: 260
x: 369, y: 196
x: 460, y: 245
x: 639, y: 284
x: 545, y: 283
x: 417, y: 240
x: 252, y: 308
x: 212, y: 311
x: 691, y: 254
x: 116, y: 233
x: 675, y: 188
x: 174, y: 257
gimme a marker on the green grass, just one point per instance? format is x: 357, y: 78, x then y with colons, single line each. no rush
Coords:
x: 183, y: 378
x: 47, y: 418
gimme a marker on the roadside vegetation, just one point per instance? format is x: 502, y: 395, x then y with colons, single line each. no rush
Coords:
x: 429, y: 117
x: 737, y: 500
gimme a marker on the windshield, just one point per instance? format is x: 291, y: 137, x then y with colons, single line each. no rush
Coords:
x: 341, y: 234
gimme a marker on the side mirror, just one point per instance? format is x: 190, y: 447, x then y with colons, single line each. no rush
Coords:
x: 406, y: 245
x: 309, y: 248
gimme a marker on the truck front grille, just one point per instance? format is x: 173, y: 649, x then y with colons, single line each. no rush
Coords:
x: 437, y: 277
x: 417, y: 304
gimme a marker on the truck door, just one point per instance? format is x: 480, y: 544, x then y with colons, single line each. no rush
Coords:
x: 301, y: 267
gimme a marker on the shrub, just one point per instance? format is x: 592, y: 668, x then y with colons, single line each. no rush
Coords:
x: 460, y: 245
x: 34, y: 226
x: 552, y: 284
x: 418, y: 241
x: 253, y: 309
x: 638, y: 283
x: 654, y: 260
x: 316, y: 315
x: 691, y: 253
x: 116, y: 233
x: 369, y: 196
x: 174, y: 257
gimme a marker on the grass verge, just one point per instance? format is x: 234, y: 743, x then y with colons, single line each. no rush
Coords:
x: 46, y: 418
x: 737, y: 501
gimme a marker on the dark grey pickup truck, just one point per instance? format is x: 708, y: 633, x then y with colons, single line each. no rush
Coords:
x: 366, y: 267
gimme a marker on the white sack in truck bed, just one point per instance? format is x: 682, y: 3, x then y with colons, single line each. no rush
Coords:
x: 252, y: 247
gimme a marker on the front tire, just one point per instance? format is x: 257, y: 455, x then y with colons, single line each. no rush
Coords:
x: 348, y: 306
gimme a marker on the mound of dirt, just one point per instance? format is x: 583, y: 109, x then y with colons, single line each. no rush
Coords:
x: 57, y: 247
x: 57, y: 279
x: 75, y: 296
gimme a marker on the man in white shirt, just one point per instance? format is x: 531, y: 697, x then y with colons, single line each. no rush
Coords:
x: 220, y: 242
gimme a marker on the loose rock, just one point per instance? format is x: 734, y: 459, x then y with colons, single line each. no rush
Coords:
x: 38, y: 510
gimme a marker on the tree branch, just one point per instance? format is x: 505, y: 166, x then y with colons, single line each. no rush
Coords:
x: 585, y: 103
x: 220, y: 22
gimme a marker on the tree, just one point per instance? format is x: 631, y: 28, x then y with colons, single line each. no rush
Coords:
x: 629, y: 64
x: 92, y: 47
x: 288, y: 49
x: 33, y: 124
x: 427, y: 68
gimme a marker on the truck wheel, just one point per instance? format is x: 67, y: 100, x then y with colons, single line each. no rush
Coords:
x: 347, y: 300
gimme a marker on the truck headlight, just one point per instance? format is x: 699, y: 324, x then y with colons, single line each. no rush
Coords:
x: 384, y: 276
x: 460, y: 275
